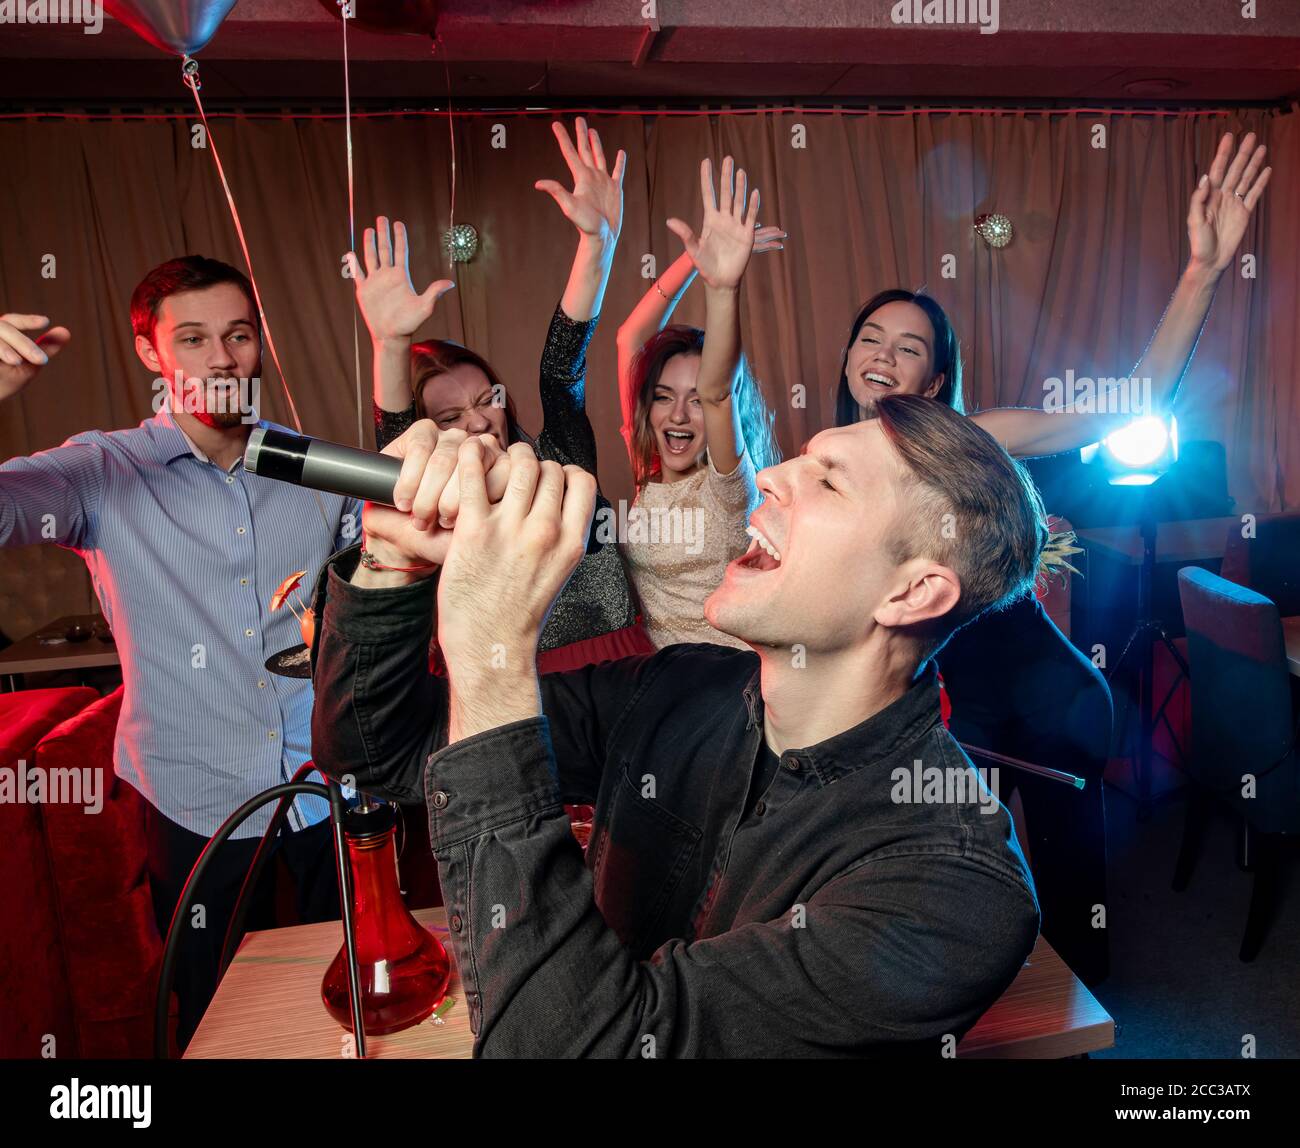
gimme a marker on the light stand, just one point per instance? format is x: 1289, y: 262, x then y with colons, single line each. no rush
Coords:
x: 1140, y: 648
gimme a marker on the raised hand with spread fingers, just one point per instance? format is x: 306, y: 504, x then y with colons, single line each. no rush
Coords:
x: 727, y: 235
x: 1223, y: 200
x: 595, y: 208
x: 392, y: 308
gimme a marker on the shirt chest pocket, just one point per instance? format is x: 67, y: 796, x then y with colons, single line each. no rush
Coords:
x: 640, y: 861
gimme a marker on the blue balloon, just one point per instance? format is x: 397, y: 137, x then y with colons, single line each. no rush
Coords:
x: 180, y: 26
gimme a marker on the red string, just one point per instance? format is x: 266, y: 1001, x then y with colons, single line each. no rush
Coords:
x: 191, y: 78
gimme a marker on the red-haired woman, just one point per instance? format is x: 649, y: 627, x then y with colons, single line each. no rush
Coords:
x: 695, y: 422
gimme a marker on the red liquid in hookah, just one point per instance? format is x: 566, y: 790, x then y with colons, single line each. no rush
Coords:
x: 404, y: 968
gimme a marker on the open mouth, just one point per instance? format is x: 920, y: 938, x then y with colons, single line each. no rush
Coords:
x: 678, y: 442
x: 880, y: 380
x: 761, y: 555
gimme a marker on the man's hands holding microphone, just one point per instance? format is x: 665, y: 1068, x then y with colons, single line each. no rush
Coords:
x: 417, y: 532
x: 504, y: 531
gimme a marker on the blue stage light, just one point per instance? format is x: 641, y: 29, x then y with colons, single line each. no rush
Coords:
x: 1138, y: 453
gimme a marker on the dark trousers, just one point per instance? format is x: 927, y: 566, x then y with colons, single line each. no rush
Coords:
x: 1018, y: 687
x: 173, y: 850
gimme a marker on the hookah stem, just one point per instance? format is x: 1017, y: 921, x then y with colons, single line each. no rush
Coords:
x: 349, y: 921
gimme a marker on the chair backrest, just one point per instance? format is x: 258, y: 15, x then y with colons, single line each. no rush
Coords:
x: 1268, y: 562
x: 1241, y: 694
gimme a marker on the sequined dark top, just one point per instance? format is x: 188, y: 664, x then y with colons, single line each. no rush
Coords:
x: 598, y: 598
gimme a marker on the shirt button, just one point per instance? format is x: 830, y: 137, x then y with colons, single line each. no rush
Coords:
x: 240, y: 530
x: 793, y: 764
x: 248, y: 633
x: 455, y: 922
x: 230, y: 478
x: 439, y: 800
x: 271, y: 734
x: 262, y: 684
x: 243, y: 581
x: 760, y: 809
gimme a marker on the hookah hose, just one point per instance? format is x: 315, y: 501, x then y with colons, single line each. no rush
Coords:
x: 237, y: 917
x: 282, y: 793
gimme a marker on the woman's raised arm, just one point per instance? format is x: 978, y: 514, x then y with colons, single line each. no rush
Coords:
x: 393, y: 311
x: 721, y: 253
x: 656, y: 307
x: 1216, y: 221
x: 595, y: 208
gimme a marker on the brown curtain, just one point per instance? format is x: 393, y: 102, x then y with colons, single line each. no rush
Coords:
x: 870, y: 201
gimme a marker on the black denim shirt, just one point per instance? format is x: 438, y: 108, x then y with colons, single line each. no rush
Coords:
x: 832, y: 921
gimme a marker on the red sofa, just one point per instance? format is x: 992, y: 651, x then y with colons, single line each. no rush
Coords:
x: 79, y: 951
x: 35, y: 1001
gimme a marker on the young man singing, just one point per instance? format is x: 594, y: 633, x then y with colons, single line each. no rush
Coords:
x: 758, y: 883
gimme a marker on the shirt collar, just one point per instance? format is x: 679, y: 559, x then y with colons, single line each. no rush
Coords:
x: 903, y: 721
x: 173, y: 443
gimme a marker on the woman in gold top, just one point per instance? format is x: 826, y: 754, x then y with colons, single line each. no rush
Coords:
x: 694, y: 420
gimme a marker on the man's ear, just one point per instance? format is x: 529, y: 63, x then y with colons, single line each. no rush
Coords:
x: 148, y: 356
x: 924, y: 591
x: 936, y: 385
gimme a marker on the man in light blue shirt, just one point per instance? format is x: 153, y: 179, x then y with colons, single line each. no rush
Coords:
x: 185, y: 549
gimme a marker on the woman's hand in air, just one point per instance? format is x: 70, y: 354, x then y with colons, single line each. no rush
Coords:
x: 727, y: 237
x: 390, y: 305
x: 1222, y: 203
x: 595, y: 205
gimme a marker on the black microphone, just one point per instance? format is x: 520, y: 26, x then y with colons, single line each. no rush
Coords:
x: 332, y: 467
x: 320, y: 465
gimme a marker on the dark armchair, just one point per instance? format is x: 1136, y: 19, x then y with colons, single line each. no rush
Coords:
x: 1243, y: 751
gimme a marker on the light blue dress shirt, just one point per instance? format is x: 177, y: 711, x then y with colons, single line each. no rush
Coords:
x: 185, y: 557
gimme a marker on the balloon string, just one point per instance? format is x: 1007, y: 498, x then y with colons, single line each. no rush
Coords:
x: 352, y: 217
x: 190, y: 73
x: 451, y: 132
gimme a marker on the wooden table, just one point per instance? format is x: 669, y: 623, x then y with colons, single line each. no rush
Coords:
x: 1046, y: 1014
x: 1291, y: 633
x: 268, y: 1005
x: 31, y: 656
